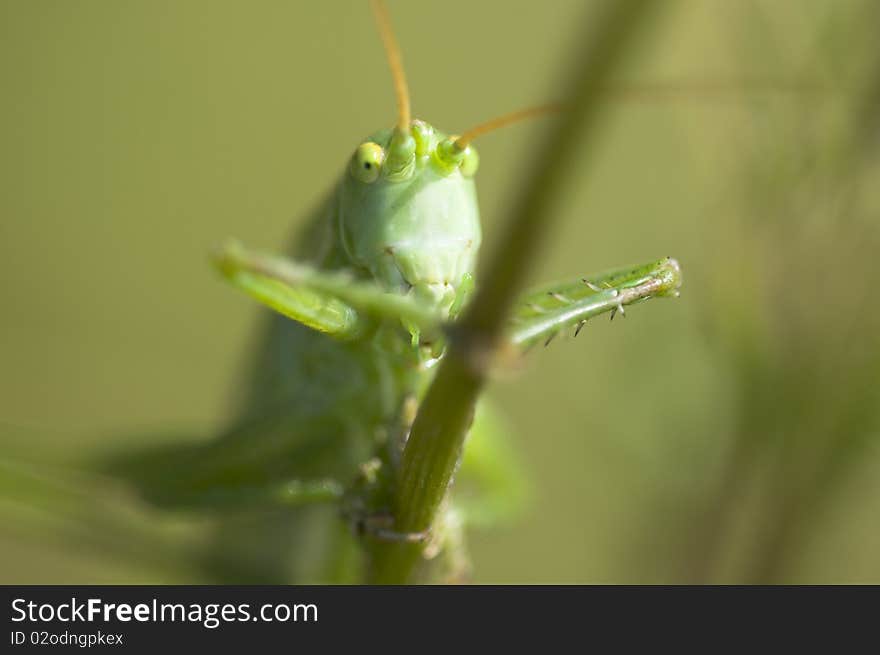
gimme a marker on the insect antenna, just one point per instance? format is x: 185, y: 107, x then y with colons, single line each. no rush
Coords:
x: 673, y: 90
x: 498, y: 122
x: 395, y: 63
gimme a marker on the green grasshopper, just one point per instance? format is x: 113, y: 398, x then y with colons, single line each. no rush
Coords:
x: 300, y: 482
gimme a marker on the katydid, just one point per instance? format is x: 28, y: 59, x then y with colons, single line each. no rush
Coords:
x: 362, y: 314
x: 390, y: 260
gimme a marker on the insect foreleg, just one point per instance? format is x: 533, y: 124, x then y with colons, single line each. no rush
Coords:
x: 332, y: 302
x: 541, y: 314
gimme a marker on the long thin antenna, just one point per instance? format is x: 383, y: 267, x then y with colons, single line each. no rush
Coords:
x: 395, y: 63
x: 502, y: 121
x: 724, y: 90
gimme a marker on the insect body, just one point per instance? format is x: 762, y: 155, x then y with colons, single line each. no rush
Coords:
x: 327, y: 408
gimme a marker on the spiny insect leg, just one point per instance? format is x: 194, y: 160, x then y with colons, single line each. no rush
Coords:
x: 585, y: 297
x: 335, y: 303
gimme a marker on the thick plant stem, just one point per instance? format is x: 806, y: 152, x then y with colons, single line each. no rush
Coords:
x: 434, y: 447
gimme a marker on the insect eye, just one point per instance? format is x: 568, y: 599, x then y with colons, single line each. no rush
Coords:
x: 367, y: 162
x: 450, y: 156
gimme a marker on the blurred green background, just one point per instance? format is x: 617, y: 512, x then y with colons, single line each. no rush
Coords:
x: 731, y: 435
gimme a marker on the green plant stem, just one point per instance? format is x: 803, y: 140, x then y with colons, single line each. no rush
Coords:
x: 434, y: 447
